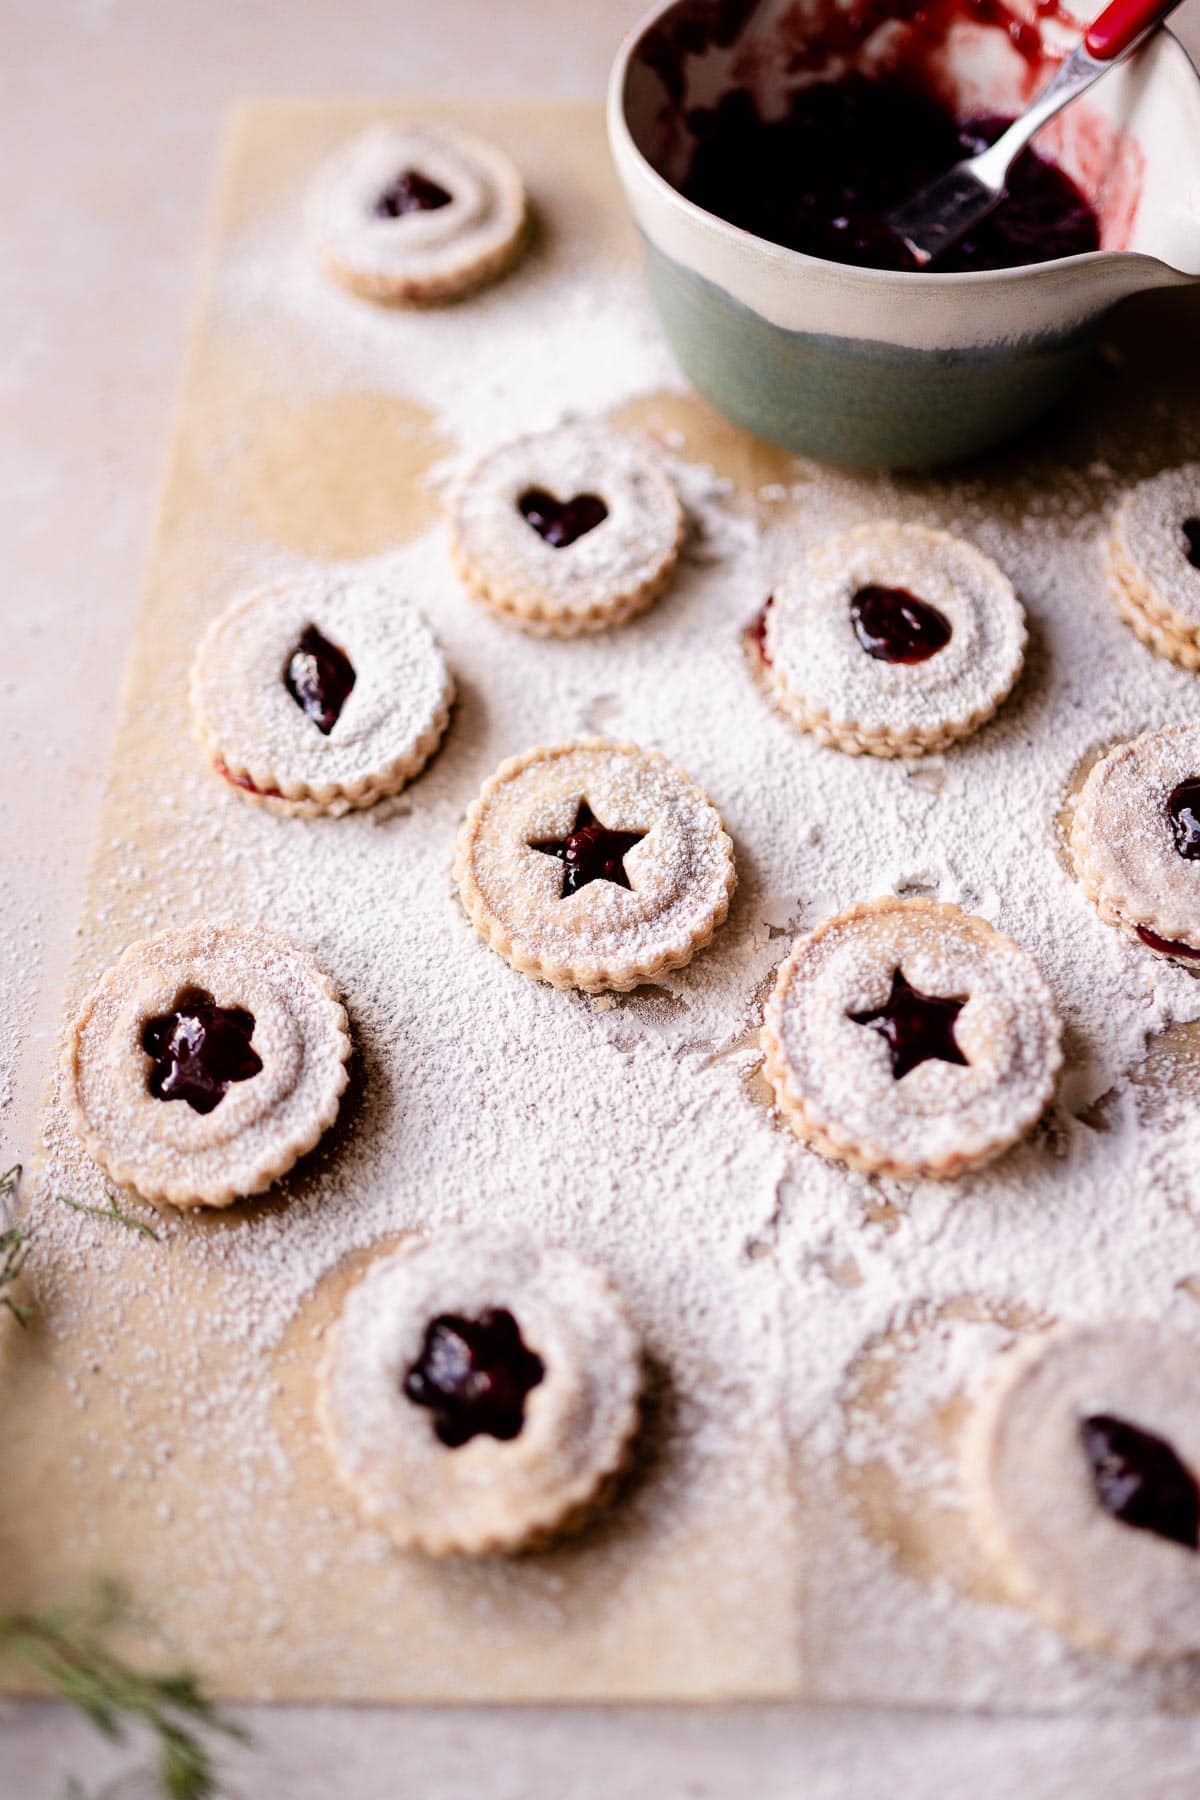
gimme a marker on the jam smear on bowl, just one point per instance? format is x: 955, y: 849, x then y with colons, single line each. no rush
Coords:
x: 561, y: 522
x: 823, y: 177
x: 1140, y: 1480
x: 893, y: 626
x: 198, y: 1049
x: 474, y: 1376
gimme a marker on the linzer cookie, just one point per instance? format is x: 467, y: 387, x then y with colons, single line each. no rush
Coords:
x: 320, y: 695
x: 480, y: 1393
x: 1083, y: 1467
x: 567, y: 531
x: 910, y: 1038
x: 420, y: 214
x: 891, y: 641
x: 1154, y: 563
x: 1135, y: 840
x: 206, y: 1062
x: 594, y: 865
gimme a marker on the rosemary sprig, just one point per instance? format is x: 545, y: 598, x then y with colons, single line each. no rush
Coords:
x: 111, y: 1211
x: 67, y: 1647
x: 14, y: 1247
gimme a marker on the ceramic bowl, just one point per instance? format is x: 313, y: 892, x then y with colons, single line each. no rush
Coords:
x: 872, y: 368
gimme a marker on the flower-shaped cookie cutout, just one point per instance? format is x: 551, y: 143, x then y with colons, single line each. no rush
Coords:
x: 1135, y: 840
x: 910, y: 1038
x: 206, y: 1062
x: 322, y: 694
x: 421, y: 213
x: 892, y: 641
x: 1083, y: 1468
x: 594, y: 865
x: 567, y: 531
x: 480, y: 1393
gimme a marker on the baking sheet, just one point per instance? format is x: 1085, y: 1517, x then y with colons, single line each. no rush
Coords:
x: 766, y: 1545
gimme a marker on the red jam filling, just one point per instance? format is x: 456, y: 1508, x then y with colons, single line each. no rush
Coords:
x: 1165, y: 946
x: 244, y: 782
x: 410, y: 192
x: 199, y: 1049
x: 1183, y: 810
x: 915, y: 1027
x: 590, y: 852
x: 319, y: 677
x: 474, y: 1376
x: 1139, y: 1479
x: 756, y: 634
x: 823, y: 177
x: 561, y: 522
x: 1191, y: 537
x: 893, y: 626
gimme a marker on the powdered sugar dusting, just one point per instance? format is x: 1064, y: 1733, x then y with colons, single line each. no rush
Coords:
x: 818, y: 666
x: 636, y: 1132
x: 253, y: 726
x: 1150, y: 551
x: 1123, y: 838
x: 942, y: 1114
x: 680, y: 871
x: 603, y: 569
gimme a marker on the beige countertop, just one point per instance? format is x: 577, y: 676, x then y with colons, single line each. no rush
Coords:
x: 109, y: 120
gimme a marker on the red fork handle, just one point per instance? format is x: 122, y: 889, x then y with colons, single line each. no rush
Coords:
x: 1121, y: 24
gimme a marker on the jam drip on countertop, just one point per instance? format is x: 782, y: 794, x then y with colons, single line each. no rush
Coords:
x: 915, y: 1027
x: 1183, y: 810
x: 474, y: 1376
x: 319, y: 678
x: 590, y: 852
x: 1139, y: 1479
x: 561, y: 522
x: 199, y: 1049
x: 1191, y: 537
x: 823, y: 178
x: 893, y: 626
x: 410, y: 192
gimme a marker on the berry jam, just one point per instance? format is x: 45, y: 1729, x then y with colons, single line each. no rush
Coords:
x: 1191, y: 537
x: 1165, y: 946
x: 561, y: 522
x: 915, y: 1027
x: 893, y: 626
x: 410, y: 192
x: 590, y: 852
x: 823, y: 178
x: 1139, y: 1479
x: 199, y: 1049
x: 1183, y: 810
x: 319, y: 678
x: 474, y: 1375
x: 756, y: 635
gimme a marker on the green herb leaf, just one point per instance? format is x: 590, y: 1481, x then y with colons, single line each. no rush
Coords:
x: 111, y: 1211
x: 67, y: 1647
x: 14, y: 1247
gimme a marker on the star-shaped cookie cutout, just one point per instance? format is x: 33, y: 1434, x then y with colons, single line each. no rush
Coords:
x: 590, y: 852
x: 915, y: 1027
